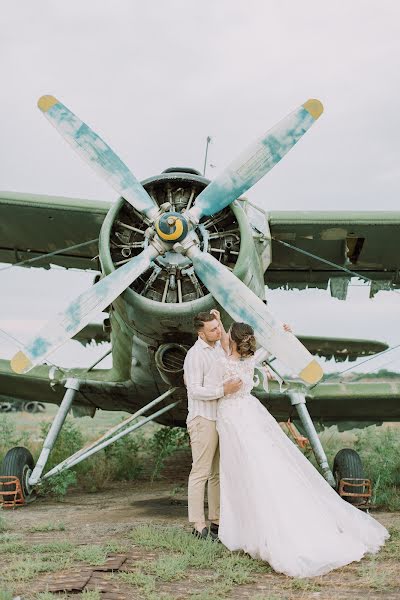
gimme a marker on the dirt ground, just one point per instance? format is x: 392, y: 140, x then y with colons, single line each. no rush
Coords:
x: 111, y: 515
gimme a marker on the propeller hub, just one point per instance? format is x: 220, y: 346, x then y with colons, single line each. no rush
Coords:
x: 172, y: 227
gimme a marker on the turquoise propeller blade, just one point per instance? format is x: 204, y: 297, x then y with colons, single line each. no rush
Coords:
x: 98, y: 155
x: 243, y: 305
x: 256, y: 161
x: 80, y: 312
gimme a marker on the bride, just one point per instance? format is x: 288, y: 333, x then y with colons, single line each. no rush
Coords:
x: 274, y: 504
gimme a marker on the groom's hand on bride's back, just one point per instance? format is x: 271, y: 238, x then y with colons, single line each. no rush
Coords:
x: 232, y: 386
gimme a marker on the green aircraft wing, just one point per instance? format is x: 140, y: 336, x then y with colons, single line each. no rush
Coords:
x: 32, y: 226
x: 361, y: 242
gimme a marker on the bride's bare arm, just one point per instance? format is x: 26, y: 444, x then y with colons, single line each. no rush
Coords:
x: 224, y: 335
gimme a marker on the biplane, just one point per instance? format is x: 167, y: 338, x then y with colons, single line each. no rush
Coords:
x: 170, y: 247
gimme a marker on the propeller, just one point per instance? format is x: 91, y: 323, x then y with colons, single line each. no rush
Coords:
x: 80, y: 311
x: 171, y: 229
x: 245, y: 306
x: 98, y: 154
x: 256, y: 161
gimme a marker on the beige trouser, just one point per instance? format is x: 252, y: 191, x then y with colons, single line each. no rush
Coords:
x: 205, y: 467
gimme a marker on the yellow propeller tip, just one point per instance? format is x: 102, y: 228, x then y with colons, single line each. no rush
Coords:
x: 20, y: 363
x: 314, y: 107
x: 312, y: 373
x: 46, y: 102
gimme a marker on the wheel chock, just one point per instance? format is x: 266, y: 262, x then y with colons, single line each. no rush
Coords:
x: 11, y: 494
x: 346, y: 490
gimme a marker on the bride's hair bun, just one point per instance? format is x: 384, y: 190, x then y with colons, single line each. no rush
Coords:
x: 243, y: 335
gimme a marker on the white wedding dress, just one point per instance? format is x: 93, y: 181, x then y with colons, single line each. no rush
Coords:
x: 274, y: 504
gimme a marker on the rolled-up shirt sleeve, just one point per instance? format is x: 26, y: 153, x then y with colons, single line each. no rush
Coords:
x: 194, y: 380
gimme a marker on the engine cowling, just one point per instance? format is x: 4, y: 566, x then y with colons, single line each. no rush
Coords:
x: 169, y: 294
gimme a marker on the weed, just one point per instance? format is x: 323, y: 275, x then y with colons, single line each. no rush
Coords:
x: 146, y: 582
x: 90, y: 595
x: 306, y: 585
x: 379, y: 448
x: 8, y: 435
x: 168, y: 567
x: 123, y: 458
x: 46, y: 596
x: 56, y: 547
x: 377, y: 580
x: 70, y: 440
x: 217, y: 591
x: 9, y: 537
x: 58, y: 485
x: 262, y: 597
x: 6, y: 595
x: 12, y: 547
x: 391, y: 550
x: 94, y: 555
x: 230, y: 568
x: 164, y: 442
x: 3, y: 522
x: 28, y: 568
x: 47, y: 527
x: 99, y: 473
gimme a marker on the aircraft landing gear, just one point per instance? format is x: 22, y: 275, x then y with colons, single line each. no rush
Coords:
x: 298, y: 399
x: 19, y: 463
x: 349, y: 476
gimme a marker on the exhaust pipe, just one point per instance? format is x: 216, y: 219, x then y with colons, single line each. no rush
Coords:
x: 169, y: 360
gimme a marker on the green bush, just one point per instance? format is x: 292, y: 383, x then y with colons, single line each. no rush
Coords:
x: 164, y: 442
x: 379, y: 449
x: 70, y: 440
x: 8, y: 436
x: 122, y: 458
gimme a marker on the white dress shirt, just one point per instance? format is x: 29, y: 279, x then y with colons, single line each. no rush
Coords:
x: 202, y: 395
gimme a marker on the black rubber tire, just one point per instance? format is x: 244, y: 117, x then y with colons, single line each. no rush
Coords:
x: 18, y: 462
x: 31, y: 407
x: 348, y: 464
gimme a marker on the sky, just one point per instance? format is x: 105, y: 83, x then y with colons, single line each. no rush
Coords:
x: 155, y: 79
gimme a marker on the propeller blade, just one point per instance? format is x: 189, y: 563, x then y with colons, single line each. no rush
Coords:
x: 244, y: 306
x: 97, y: 154
x: 80, y: 312
x: 256, y: 161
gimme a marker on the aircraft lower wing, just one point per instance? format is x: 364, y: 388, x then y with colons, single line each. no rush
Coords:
x: 358, y: 403
x: 32, y: 226
x: 341, y: 349
x: 364, y: 242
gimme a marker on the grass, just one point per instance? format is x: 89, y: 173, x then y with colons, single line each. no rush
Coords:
x: 391, y: 550
x: 228, y: 569
x: 93, y: 555
x: 3, y: 522
x: 28, y: 568
x: 44, y: 527
x: 372, y: 577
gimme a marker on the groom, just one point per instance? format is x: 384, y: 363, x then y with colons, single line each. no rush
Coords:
x: 202, y: 406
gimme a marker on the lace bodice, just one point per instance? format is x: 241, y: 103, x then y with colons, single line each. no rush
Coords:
x: 244, y: 369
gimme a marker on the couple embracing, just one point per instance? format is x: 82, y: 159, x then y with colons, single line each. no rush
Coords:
x: 272, y: 503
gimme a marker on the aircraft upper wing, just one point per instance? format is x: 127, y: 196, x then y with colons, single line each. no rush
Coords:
x: 34, y: 225
x: 364, y: 242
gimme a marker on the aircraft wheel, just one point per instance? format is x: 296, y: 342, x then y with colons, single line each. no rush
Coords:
x: 18, y: 462
x: 31, y: 407
x: 347, y: 464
